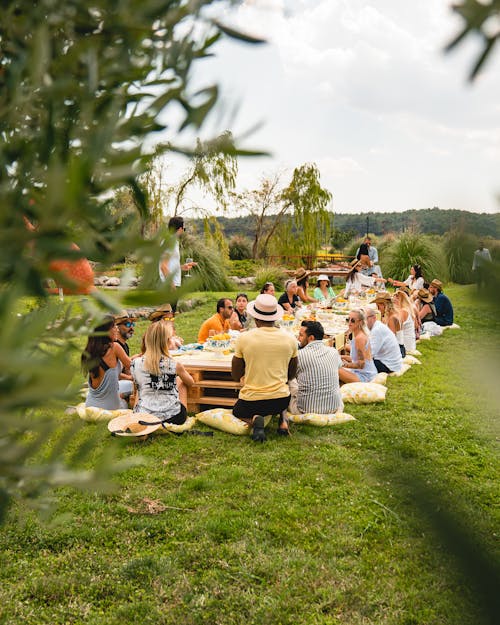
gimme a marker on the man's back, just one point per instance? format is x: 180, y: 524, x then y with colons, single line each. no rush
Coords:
x: 318, y: 379
x: 267, y: 352
x: 385, y: 346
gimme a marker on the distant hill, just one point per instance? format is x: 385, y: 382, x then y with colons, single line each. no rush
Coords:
x: 428, y: 221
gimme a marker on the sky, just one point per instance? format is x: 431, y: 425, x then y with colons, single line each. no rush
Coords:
x: 363, y: 89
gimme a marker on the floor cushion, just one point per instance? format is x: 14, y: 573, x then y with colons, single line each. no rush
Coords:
x: 363, y: 393
x: 224, y: 420
x: 314, y: 418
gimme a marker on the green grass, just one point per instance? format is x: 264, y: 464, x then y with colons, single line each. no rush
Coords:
x: 327, y: 527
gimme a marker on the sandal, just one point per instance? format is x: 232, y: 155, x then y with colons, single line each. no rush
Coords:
x: 258, y: 433
x: 283, y: 420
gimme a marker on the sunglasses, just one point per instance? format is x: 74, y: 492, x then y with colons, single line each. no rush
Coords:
x: 351, y: 320
x: 230, y: 307
x: 129, y: 324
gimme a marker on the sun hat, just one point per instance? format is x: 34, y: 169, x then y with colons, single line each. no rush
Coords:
x: 130, y: 424
x: 322, y: 277
x: 437, y: 283
x: 301, y: 273
x: 355, y: 263
x: 123, y: 316
x: 405, y: 288
x: 161, y: 312
x: 381, y: 298
x: 425, y: 296
x: 265, y: 307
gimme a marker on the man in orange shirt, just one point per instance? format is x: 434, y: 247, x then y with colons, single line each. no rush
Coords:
x: 218, y: 322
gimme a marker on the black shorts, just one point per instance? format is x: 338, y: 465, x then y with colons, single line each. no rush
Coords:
x: 177, y: 419
x: 244, y: 409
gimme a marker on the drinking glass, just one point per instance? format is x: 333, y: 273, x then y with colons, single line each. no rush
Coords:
x: 188, y: 274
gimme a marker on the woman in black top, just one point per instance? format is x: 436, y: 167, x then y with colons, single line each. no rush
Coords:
x: 290, y: 300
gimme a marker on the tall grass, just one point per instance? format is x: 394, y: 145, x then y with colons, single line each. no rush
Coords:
x: 211, y: 272
x: 459, y: 249
x: 414, y: 249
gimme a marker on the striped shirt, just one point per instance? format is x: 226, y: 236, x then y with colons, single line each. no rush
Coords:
x: 318, y: 379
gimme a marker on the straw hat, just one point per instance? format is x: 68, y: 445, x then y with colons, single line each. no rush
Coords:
x: 424, y: 296
x: 322, y: 277
x: 405, y: 289
x: 301, y: 273
x: 355, y: 263
x: 381, y: 298
x: 437, y: 283
x: 123, y: 316
x: 130, y: 425
x: 161, y: 312
x: 265, y: 307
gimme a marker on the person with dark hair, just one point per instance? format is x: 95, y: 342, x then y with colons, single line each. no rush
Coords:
x: 170, y: 264
x: 266, y: 358
x: 103, y: 360
x: 317, y: 387
x: 218, y: 323
x: 444, y: 308
x: 414, y: 281
x: 268, y: 288
x: 480, y: 262
x: 302, y: 278
x: 240, y: 319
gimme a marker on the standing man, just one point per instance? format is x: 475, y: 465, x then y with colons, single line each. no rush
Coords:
x: 386, y: 353
x: 267, y: 358
x: 481, y: 258
x: 219, y: 322
x: 170, y: 267
x: 444, y: 309
x: 317, y: 386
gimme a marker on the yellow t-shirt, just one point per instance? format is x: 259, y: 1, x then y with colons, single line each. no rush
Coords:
x: 267, y: 353
x: 217, y: 323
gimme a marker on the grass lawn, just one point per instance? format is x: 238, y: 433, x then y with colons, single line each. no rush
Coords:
x: 332, y: 526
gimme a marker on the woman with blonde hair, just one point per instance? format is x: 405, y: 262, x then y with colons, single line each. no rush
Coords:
x: 160, y: 381
x: 408, y: 318
x: 359, y: 366
x: 390, y: 317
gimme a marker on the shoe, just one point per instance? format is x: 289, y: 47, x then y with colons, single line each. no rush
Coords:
x: 258, y: 433
x: 283, y: 420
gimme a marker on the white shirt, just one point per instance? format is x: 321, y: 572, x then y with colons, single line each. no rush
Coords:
x: 174, y: 266
x: 385, y: 346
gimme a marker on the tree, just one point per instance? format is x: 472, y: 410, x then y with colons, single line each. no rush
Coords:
x: 81, y: 86
x: 279, y: 211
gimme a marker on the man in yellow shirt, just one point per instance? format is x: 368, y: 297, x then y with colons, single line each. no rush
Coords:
x: 218, y: 322
x: 267, y: 358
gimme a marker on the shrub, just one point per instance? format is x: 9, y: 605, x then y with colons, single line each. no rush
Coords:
x: 459, y: 249
x: 414, y: 249
x: 211, y: 271
x: 239, y: 248
x: 270, y: 273
x: 242, y: 268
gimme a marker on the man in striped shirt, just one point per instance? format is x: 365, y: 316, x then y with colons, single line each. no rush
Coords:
x: 317, y: 373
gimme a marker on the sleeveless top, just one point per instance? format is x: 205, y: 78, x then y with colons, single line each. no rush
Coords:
x: 158, y: 394
x: 409, y: 334
x: 369, y: 371
x: 432, y: 315
x: 106, y: 395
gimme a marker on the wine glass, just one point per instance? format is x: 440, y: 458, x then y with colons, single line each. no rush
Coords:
x: 188, y: 274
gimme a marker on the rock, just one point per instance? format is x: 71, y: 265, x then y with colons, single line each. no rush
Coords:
x: 113, y: 282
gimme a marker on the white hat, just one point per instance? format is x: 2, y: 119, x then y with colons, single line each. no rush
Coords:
x: 265, y: 307
x: 134, y: 424
x: 321, y: 277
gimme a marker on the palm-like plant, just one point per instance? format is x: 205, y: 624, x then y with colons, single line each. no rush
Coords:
x: 414, y: 249
x: 459, y: 249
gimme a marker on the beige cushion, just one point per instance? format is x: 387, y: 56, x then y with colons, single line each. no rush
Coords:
x: 413, y: 352
x: 224, y: 420
x: 93, y: 414
x: 380, y: 378
x: 363, y: 393
x: 313, y: 418
x: 402, y: 371
x: 411, y: 360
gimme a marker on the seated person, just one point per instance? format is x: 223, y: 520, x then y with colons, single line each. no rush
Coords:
x: 219, y: 322
x: 356, y: 281
x: 103, y: 360
x: 125, y: 325
x: 290, y: 300
x: 414, y: 281
x: 427, y: 310
x: 323, y: 291
x: 156, y: 377
x: 240, y: 320
x: 302, y: 277
x: 385, y: 347
x: 444, y: 309
x: 268, y: 288
x: 317, y: 387
x: 359, y: 366
x: 166, y: 314
x: 391, y: 318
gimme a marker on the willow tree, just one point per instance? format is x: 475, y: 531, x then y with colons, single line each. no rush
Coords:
x: 81, y: 86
